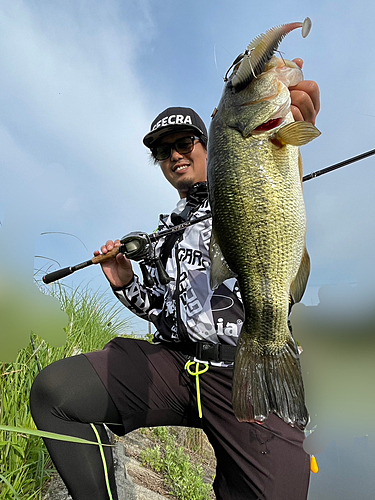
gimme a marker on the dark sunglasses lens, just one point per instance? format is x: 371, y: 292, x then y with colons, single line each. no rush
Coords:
x: 162, y: 152
x: 184, y: 145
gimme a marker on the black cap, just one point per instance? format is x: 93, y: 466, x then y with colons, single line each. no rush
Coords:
x: 173, y: 120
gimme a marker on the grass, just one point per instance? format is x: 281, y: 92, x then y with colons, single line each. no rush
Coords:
x: 183, y: 477
x: 25, y: 465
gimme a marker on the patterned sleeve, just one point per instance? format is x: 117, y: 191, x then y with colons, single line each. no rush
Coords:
x: 139, y: 299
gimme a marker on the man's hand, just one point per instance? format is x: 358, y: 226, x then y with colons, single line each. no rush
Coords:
x: 305, y: 99
x: 118, y: 271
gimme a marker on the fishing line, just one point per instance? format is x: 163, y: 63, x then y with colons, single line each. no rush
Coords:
x: 215, y: 59
x: 68, y: 234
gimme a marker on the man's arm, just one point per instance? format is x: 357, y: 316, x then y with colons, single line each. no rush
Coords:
x: 126, y: 285
x: 305, y: 99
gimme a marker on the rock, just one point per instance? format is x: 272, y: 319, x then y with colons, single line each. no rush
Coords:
x: 125, y: 486
x: 135, y: 482
x: 126, y: 489
x: 57, y: 490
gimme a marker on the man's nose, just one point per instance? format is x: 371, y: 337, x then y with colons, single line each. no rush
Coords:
x: 175, y: 155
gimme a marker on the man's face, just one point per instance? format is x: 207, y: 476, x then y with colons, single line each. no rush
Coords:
x: 184, y: 170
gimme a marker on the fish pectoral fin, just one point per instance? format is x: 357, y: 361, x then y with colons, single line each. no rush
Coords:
x: 220, y: 271
x: 297, y: 133
x: 298, y: 286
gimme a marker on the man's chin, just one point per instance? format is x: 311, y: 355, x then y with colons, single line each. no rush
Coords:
x: 184, y: 185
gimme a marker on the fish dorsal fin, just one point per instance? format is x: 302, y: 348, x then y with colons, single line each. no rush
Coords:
x: 298, y: 286
x: 297, y: 133
x: 220, y: 271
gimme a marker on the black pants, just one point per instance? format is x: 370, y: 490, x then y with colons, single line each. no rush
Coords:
x: 146, y: 385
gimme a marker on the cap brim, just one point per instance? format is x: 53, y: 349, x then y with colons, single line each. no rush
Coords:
x: 150, y: 139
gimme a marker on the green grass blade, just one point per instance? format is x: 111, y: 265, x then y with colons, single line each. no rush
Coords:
x: 50, y: 435
x: 4, y: 479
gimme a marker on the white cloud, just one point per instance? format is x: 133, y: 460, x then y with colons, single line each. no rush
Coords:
x: 72, y: 101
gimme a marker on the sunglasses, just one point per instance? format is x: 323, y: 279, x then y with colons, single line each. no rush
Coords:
x: 183, y: 146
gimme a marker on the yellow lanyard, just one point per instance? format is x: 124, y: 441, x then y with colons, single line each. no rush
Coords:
x: 313, y: 463
x: 196, y: 375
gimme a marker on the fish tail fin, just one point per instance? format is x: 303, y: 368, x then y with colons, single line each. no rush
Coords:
x: 266, y: 383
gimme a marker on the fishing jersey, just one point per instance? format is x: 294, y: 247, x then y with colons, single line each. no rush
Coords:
x: 186, y: 308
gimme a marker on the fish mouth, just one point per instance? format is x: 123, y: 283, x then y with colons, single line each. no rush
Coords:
x: 252, y: 62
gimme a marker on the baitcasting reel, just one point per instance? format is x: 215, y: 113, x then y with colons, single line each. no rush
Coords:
x: 138, y: 246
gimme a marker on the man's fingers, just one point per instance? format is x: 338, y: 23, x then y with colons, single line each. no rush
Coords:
x: 299, y: 62
x: 108, y: 247
x: 306, y: 96
x: 297, y: 115
x: 312, y: 90
x: 305, y: 101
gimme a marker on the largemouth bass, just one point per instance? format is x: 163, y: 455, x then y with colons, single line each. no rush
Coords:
x: 259, y: 223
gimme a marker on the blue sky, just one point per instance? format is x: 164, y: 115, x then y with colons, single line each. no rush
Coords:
x: 81, y: 81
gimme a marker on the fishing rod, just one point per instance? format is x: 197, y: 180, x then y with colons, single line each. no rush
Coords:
x: 338, y: 165
x: 138, y: 245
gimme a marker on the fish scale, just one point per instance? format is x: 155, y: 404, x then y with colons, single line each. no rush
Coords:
x: 252, y: 207
x: 259, y: 227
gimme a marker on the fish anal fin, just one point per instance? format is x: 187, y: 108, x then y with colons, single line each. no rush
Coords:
x: 296, y: 133
x: 220, y: 271
x: 266, y: 383
x: 298, y: 286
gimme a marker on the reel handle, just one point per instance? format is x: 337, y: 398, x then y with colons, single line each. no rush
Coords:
x: 164, y: 277
x: 148, y: 280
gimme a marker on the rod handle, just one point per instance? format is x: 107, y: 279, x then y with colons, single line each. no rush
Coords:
x: 62, y: 273
x: 103, y: 257
x: 57, y: 275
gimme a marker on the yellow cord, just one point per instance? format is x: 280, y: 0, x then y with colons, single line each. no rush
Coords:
x: 196, y: 375
x: 104, y: 462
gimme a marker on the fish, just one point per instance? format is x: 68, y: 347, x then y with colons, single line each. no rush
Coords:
x: 254, y: 174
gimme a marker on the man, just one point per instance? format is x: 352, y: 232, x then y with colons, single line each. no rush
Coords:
x: 131, y: 383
